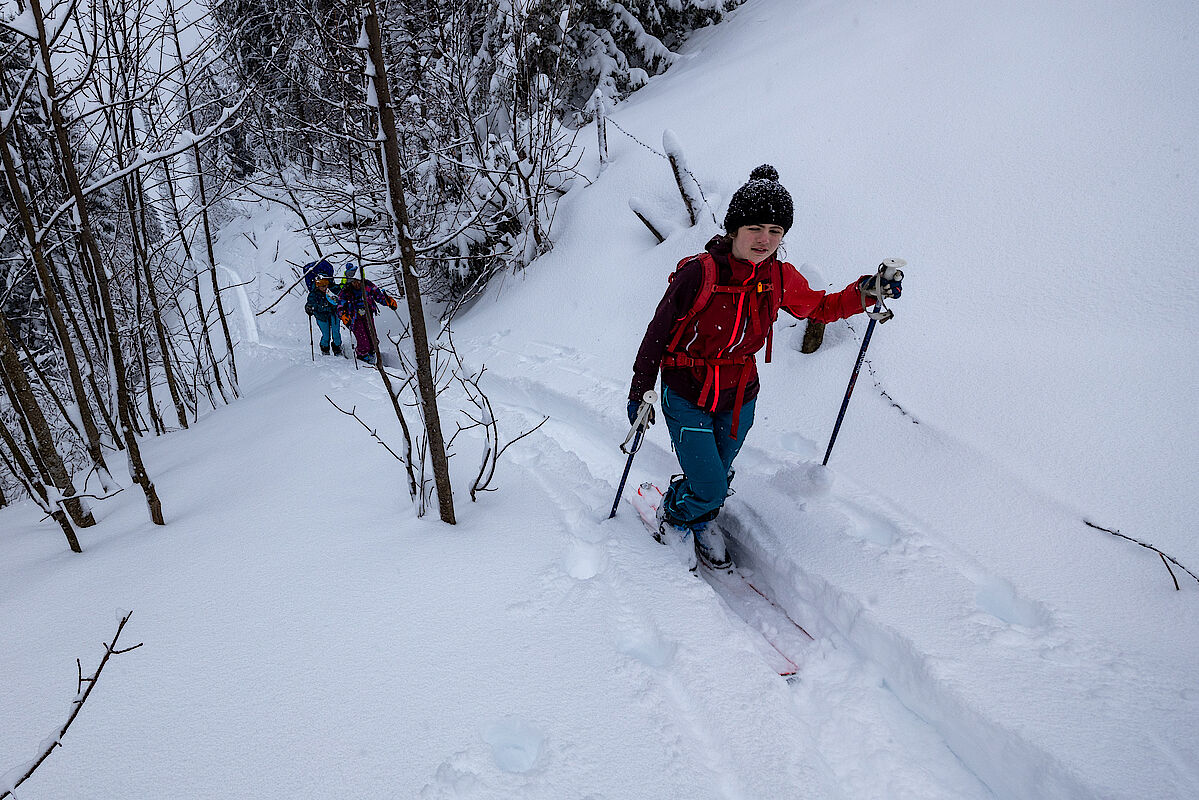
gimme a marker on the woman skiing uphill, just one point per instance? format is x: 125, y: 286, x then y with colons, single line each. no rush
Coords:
x: 716, y: 314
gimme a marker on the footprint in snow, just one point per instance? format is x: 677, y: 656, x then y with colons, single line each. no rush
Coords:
x: 515, y: 744
x: 806, y: 480
x: 998, y: 598
x: 647, y: 646
x: 584, y: 560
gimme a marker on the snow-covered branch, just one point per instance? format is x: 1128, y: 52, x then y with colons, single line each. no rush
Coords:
x: 185, y: 142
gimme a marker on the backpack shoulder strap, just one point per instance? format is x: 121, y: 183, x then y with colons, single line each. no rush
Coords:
x: 777, y: 299
x: 776, y: 302
x: 706, y: 287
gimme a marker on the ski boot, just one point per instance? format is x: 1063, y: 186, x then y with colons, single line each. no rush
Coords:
x: 336, y: 349
x: 324, y: 350
x: 676, y: 536
x: 710, y: 547
x: 706, y: 540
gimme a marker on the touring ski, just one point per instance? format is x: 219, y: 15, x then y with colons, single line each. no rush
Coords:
x: 783, y: 639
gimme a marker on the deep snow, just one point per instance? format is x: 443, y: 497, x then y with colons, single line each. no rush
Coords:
x: 305, y: 635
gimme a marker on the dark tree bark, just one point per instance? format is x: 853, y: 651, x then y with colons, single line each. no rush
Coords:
x: 25, y: 473
x: 813, y: 337
x: 399, y: 211
x: 216, y: 288
x: 21, y: 394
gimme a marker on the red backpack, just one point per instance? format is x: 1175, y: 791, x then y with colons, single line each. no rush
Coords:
x: 708, y: 287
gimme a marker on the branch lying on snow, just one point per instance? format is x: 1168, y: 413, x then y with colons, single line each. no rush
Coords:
x: 1166, y: 559
x: 85, y: 687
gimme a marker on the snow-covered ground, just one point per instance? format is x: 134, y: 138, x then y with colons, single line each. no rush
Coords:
x: 306, y: 636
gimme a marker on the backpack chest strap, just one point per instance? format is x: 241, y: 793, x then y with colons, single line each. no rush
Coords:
x: 682, y: 361
x: 756, y: 288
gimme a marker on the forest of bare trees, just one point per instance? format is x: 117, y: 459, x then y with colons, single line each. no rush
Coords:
x: 433, y: 136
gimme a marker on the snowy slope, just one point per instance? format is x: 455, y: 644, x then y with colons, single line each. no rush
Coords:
x: 306, y: 636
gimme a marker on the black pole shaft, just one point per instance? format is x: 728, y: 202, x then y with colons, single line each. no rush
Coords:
x: 625, y: 476
x: 853, y: 379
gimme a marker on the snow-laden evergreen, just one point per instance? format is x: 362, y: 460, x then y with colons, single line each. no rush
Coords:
x: 305, y: 636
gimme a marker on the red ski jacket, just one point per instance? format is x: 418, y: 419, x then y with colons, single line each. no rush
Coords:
x: 708, y: 357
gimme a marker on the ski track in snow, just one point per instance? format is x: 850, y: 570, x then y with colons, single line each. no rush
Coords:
x: 785, y: 506
x: 830, y: 669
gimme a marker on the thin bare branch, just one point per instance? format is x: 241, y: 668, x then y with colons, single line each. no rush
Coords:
x: 1164, y: 556
x: 85, y: 689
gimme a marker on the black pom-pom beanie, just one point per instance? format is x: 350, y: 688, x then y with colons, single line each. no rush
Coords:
x: 761, y: 201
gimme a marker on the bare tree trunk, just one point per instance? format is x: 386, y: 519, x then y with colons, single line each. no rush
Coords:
x: 24, y: 472
x: 413, y: 490
x: 135, y: 203
x: 160, y: 328
x: 216, y: 289
x: 27, y: 407
x: 89, y: 305
x: 189, y: 258
x: 91, y: 434
x: 140, y: 341
x: 89, y: 301
x: 194, y: 392
x: 48, y: 385
x: 109, y: 319
x: 399, y: 211
x: 813, y: 337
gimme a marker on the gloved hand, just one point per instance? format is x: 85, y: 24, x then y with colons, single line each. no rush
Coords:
x: 345, y: 318
x: 635, y: 408
x: 391, y: 303
x: 308, y: 309
x: 890, y: 287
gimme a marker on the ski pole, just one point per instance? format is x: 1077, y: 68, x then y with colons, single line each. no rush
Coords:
x: 311, y: 346
x: 888, y: 269
x: 641, y: 424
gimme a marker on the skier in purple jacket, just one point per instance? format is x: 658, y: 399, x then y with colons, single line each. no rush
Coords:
x: 358, y: 299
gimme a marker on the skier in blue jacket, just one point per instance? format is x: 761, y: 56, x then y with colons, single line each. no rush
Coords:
x: 322, y: 304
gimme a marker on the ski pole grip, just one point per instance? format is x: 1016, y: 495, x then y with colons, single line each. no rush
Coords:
x: 645, y: 410
x: 892, y: 269
x: 641, y: 422
x: 889, y: 270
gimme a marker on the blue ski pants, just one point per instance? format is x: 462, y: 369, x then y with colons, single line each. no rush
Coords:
x: 330, y: 328
x: 706, y: 451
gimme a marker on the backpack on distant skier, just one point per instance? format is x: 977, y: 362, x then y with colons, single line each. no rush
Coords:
x: 316, y: 269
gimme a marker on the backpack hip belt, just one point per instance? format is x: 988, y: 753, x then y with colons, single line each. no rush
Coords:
x: 712, y: 380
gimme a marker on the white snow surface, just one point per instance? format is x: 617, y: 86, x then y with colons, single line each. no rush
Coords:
x: 305, y: 635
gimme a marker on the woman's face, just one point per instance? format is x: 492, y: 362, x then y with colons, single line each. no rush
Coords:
x: 755, y: 243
